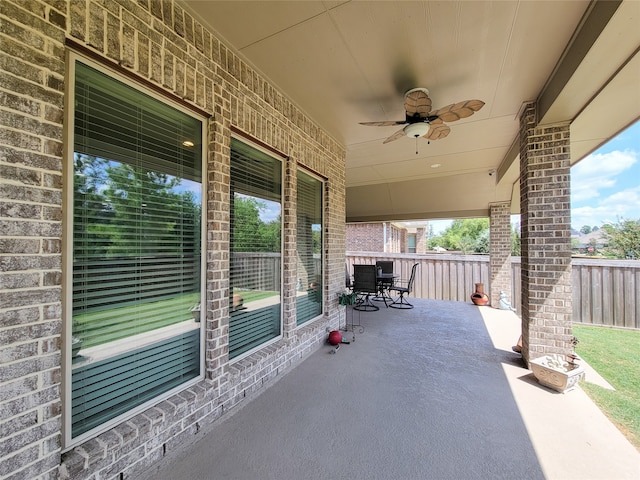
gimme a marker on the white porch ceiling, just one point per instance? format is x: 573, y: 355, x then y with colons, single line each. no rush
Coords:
x: 345, y: 62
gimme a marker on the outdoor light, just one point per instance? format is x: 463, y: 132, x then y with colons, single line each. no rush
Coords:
x: 416, y: 129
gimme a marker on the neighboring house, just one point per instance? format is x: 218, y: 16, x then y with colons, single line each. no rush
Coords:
x: 386, y: 237
x: 589, y: 243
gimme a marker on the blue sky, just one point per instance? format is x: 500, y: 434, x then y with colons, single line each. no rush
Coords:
x: 605, y: 186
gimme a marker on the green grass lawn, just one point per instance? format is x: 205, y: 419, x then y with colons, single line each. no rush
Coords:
x: 253, y: 295
x: 112, y: 324
x: 614, y: 354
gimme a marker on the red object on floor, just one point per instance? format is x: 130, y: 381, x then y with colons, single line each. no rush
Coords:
x: 335, y: 337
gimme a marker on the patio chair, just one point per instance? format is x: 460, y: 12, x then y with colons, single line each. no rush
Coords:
x: 401, y: 302
x: 384, y: 267
x: 347, y: 279
x: 365, y: 284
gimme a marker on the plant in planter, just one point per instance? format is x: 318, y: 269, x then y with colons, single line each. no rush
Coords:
x: 557, y: 371
x: 347, y: 298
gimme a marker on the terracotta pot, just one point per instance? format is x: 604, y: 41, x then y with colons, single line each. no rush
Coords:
x: 479, y: 297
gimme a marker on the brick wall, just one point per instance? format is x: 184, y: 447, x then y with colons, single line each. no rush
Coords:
x: 158, y: 42
x: 365, y: 237
x: 546, y: 236
x: 421, y: 240
x: 31, y: 113
x: 377, y: 237
x: 500, y: 251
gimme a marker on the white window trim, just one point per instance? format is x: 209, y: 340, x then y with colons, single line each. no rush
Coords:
x: 283, y: 161
x: 67, y: 252
x: 323, y: 182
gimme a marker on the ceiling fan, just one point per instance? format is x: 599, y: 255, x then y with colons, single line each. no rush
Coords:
x: 420, y: 121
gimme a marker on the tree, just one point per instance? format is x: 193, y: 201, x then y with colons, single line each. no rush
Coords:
x: 466, y: 244
x: 146, y: 206
x: 317, y: 241
x: 471, y: 235
x: 482, y: 244
x: 250, y: 233
x: 515, y: 240
x: 89, y: 180
x: 461, y: 235
x: 121, y: 210
x: 623, y: 239
x: 246, y: 221
x: 269, y: 234
x: 585, y: 229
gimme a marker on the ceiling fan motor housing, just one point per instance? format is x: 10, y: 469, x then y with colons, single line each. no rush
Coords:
x: 421, y: 121
x: 416, y: 129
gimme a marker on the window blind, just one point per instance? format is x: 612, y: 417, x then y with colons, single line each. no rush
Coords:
x: 309, y: 248
x: 136, y: 248
x: 256, y: 258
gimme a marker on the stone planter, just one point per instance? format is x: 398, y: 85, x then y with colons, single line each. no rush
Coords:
x: 555, y: 372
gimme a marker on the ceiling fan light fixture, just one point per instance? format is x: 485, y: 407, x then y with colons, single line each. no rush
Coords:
x: 416, y: 129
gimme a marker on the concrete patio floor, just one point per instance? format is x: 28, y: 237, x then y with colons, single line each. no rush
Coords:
x: 430, y: 393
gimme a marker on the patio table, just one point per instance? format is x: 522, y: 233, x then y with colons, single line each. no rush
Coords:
x: 384, y: 282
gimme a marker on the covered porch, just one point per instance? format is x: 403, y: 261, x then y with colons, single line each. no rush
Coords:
x: 286, y: 86
x: 433, y: 392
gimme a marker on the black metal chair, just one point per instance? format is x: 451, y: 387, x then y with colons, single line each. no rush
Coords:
x: 401, y: 302
x: 384, y: 267
x: 365, y: 284
x: 347, y: 279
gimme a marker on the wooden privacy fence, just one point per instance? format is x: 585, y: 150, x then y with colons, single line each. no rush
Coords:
x: 257, y: 271
x: 605, y: 292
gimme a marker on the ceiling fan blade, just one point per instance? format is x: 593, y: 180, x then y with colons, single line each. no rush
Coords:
x: 437, y: 131
x: 386, y: 123
x: 395, y: 136
x: 417, y: 101
x: 459, y: 110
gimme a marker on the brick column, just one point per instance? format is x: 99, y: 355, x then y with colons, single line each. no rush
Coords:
x: 421, y: 240
x: 31, y: 199
x: 500, y: 251
x: 291, y: 262
x: 546, y: 236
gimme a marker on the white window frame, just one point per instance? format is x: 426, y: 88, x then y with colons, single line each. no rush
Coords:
x: 283, y: 161
x: 323, y: 183
x: 72, y: 58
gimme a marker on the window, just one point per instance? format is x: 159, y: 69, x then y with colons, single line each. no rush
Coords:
x: 411, y: 243
x: 135, y: 251
x: 256, y: 246
x: 309, y: 248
